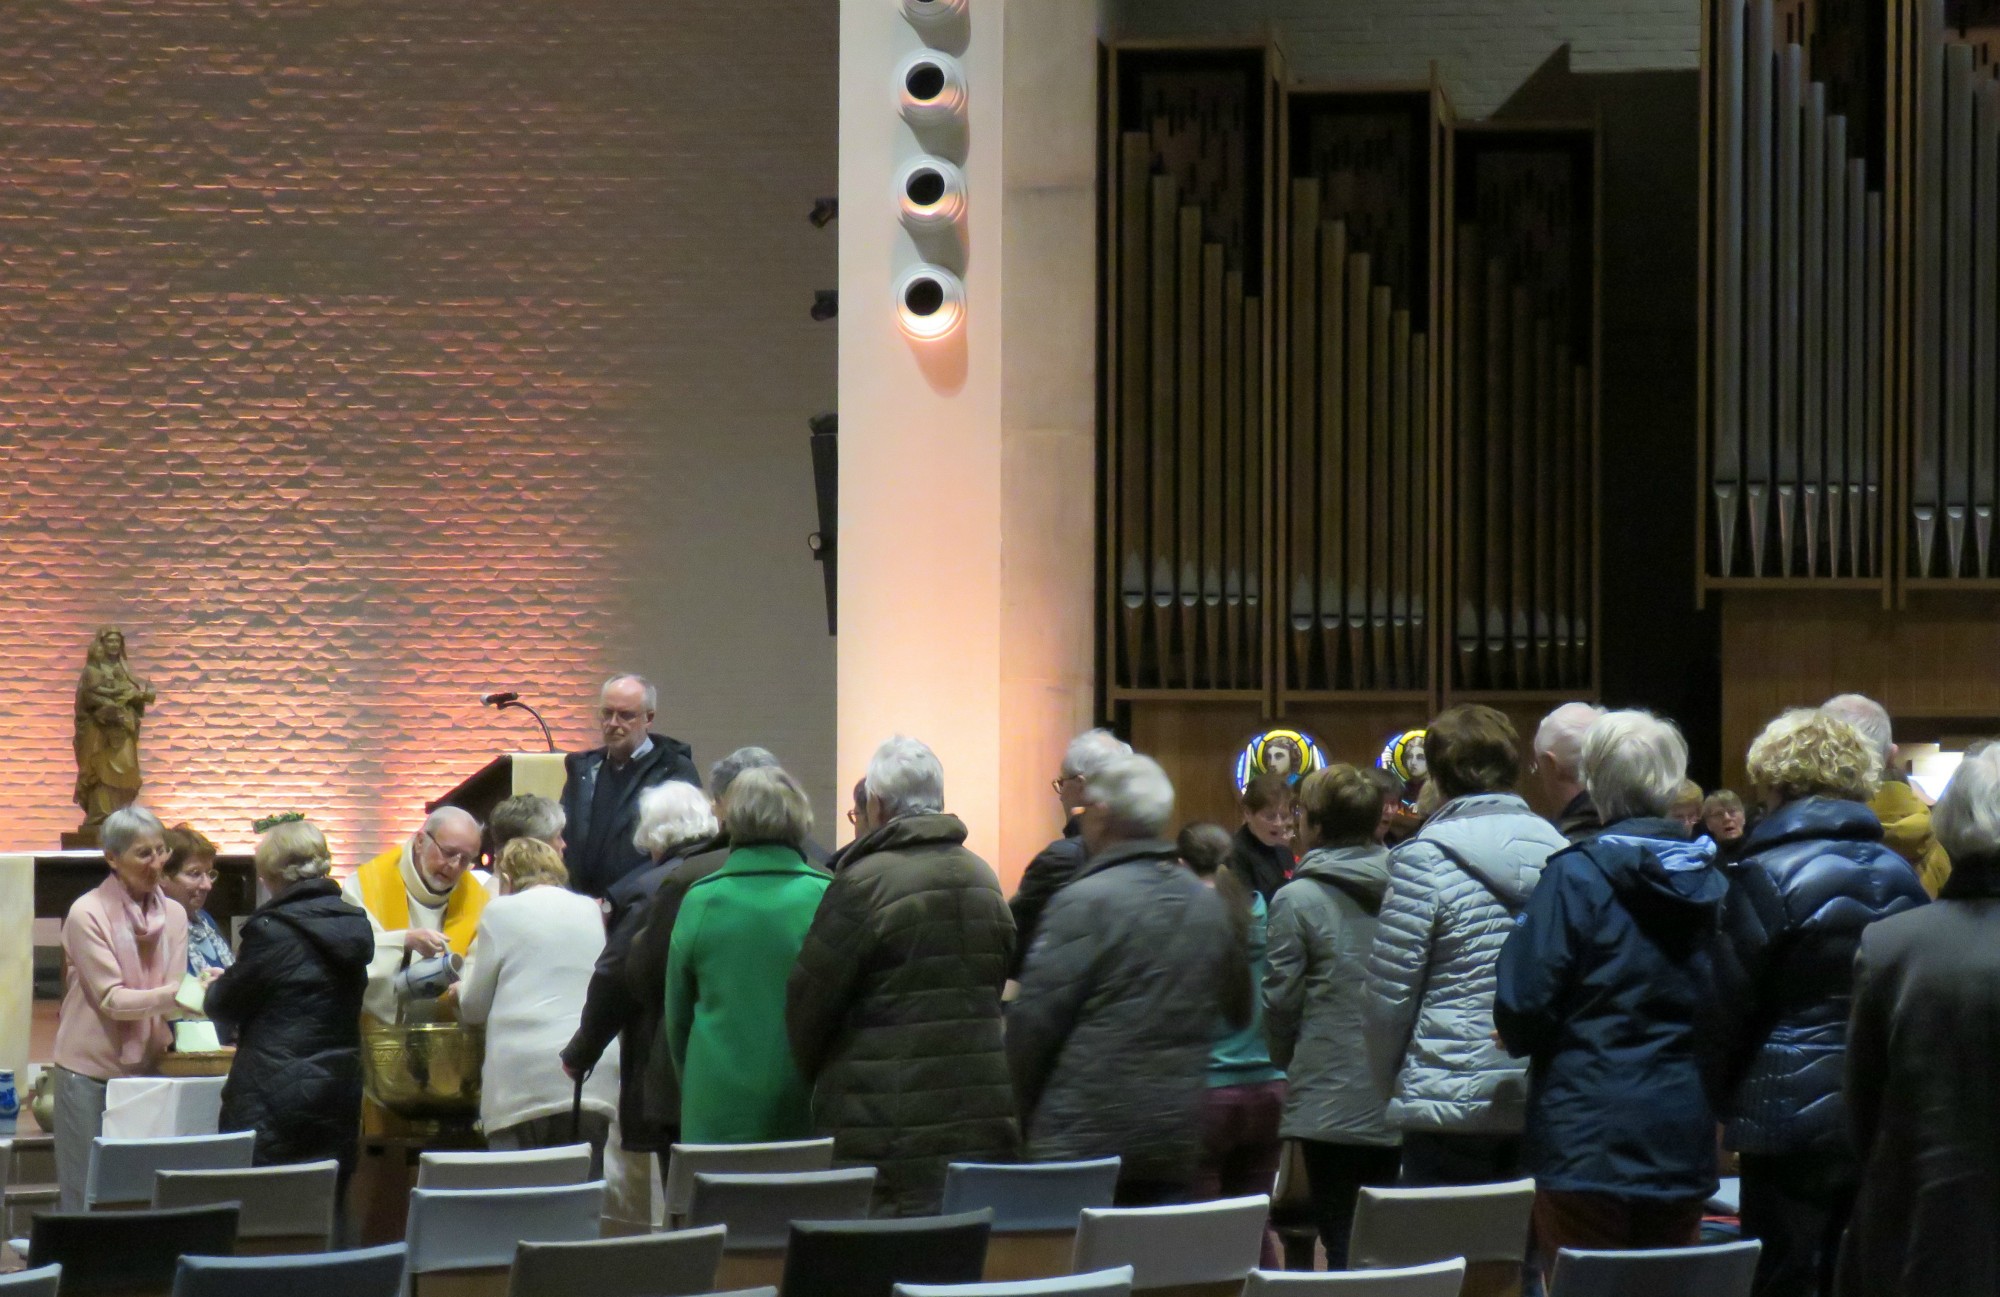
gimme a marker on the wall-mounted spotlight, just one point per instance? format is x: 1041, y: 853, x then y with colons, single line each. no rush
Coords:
x: 825, y: 211
x: 826, y: 304
x: 931, y: 86
x: 930, y: 302
x: 929, y: 15
x: 931, y: 192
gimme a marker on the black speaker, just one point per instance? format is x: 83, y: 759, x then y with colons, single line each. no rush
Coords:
x: 826, y: 491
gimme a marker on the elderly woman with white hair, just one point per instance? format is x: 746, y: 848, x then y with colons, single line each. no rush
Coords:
x: 125, y: 952
x: 734, y: 942
x: 1122, y: 996
x: 294, y: 998
x: 1602, y: 987
x: 1923, y: 1045
x: 1813, y: 874
x: 676, y: 824
x: 1057, y: 863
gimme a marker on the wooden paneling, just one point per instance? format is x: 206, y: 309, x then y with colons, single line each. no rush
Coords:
x: 1798, y: 648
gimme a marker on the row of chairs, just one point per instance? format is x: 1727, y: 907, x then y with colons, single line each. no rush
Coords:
x: 1035, y: 1211
x: 931, y: 1257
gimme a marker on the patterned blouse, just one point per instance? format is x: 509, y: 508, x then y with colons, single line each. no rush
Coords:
x: 207, y: 947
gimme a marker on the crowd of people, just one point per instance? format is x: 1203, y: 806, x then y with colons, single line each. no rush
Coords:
x: 1610, y: 991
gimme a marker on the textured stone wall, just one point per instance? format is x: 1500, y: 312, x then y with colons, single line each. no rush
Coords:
x: 358, y: 356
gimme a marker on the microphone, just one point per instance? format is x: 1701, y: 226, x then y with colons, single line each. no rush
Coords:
x: 505, y: 698
x: 499, y: 699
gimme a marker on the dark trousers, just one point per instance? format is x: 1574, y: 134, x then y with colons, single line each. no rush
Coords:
x: 1240, y: 1148
x: 1797, y: 1207
x: 1434, y: 1158
x: 1609, y: 1222
x: 1335, y: 1176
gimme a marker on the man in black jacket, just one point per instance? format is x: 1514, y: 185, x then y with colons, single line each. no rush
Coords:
x: 1057, y: 863
x: 601, y: 793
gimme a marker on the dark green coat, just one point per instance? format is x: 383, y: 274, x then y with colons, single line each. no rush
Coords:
x: 894, y: 1011
x: 733, y: 945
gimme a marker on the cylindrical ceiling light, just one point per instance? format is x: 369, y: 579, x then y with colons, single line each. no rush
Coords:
x: 929, y: 15
x: 931, y: 192
x: 931, y: 86
x: 930, y: 302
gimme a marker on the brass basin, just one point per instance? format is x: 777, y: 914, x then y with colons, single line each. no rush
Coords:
x: 424, y: 1071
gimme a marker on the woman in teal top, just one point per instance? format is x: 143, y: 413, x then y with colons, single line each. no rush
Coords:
x: 1246, y: 1094
x: 733, y: 947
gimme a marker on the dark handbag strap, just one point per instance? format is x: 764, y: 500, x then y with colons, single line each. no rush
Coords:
x: 576, y: 1111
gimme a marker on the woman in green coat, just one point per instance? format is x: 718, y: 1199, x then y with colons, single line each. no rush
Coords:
x: 733, y: 948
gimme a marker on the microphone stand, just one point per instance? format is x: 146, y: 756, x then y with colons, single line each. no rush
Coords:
x: 546, y: 736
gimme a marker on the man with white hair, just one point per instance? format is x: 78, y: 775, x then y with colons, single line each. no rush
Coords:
x: 893, y: 1008
x: 1057, y: 863
x: 1906, y: 821
x: 422, y: 898
x: 1122, y: 995
x: 1559, y: 766
x: 602, y: 786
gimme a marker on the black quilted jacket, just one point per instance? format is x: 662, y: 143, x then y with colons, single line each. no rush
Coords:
x: 294, y: 997
x: 1814, y: 874
x: 893, y: 1010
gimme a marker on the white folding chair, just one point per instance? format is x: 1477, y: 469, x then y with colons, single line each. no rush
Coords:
x: 1036, y: 1207
x: 527, y: 1169
x: 1724, y: 1270
x: 1203, y: 1249
x: 679, y: 1264
x: 121, y: 1170
x: 1442, y: 1279
x: 1485, y: 1224
x: 686, y: 1161
x: 759, y: 1211
x: 462, y: 1241
x: 285, y: 1209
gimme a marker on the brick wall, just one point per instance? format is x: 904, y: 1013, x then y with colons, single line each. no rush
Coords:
x: 1485, y: 48
x: 360, y: 356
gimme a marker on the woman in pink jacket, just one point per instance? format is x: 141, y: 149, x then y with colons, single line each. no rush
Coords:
x: 125, y: 945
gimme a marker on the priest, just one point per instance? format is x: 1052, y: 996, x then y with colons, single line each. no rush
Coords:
x: 422, y: 898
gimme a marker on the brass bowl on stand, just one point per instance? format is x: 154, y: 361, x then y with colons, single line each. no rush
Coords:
x: 425, y: 1071
x: 207, y: 1062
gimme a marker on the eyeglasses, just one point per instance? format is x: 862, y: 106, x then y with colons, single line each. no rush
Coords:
x: 854, y: 817
x: 622, y: 717
x: 451, y: 857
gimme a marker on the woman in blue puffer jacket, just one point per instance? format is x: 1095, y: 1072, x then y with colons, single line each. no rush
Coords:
x: 1813, y: 874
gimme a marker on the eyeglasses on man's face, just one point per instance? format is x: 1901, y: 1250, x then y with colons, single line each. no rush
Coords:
x: 462, y: 859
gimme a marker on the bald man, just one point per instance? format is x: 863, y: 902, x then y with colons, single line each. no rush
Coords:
x: 422, y: 899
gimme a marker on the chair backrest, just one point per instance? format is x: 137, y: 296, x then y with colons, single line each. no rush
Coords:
x: 121, y: 1170
x: 1030, y: 1195
x: 1409, y: 1227
x: 128, y: 1251
x: 1199, y: 1243
x: 368, y: 1272
x: 40, y: 1282
x: 868, y: 1258
x: 686, y: 1161
x: 1440, y: 1279
x: 1724, y: 1270
x: 1116, y: 1282
x: 533, y: 1168
x: 294, y: 1203
x: 459, y: 1229
x: 760, y: 1209
x: 679, y: 1264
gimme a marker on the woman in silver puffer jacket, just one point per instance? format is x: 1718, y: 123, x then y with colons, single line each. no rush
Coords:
x: 1455, y: 891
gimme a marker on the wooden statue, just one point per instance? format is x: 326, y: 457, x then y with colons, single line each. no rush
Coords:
x: 110, y: 703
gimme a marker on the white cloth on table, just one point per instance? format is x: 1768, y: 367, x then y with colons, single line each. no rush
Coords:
x: 159, y: 1107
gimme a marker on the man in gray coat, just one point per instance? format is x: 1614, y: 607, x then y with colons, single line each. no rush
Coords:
x: 1455, y: 892
x: 1121, y: 997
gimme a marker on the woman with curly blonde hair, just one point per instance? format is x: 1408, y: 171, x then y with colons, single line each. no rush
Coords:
x: 1814, y: 873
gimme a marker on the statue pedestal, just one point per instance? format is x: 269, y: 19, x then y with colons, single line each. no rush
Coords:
x: 82, y: 839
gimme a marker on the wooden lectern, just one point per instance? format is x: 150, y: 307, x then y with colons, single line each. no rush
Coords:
x: 507, y: 775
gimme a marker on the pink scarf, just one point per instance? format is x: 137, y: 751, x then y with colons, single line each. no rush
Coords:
x: 136, y: 930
